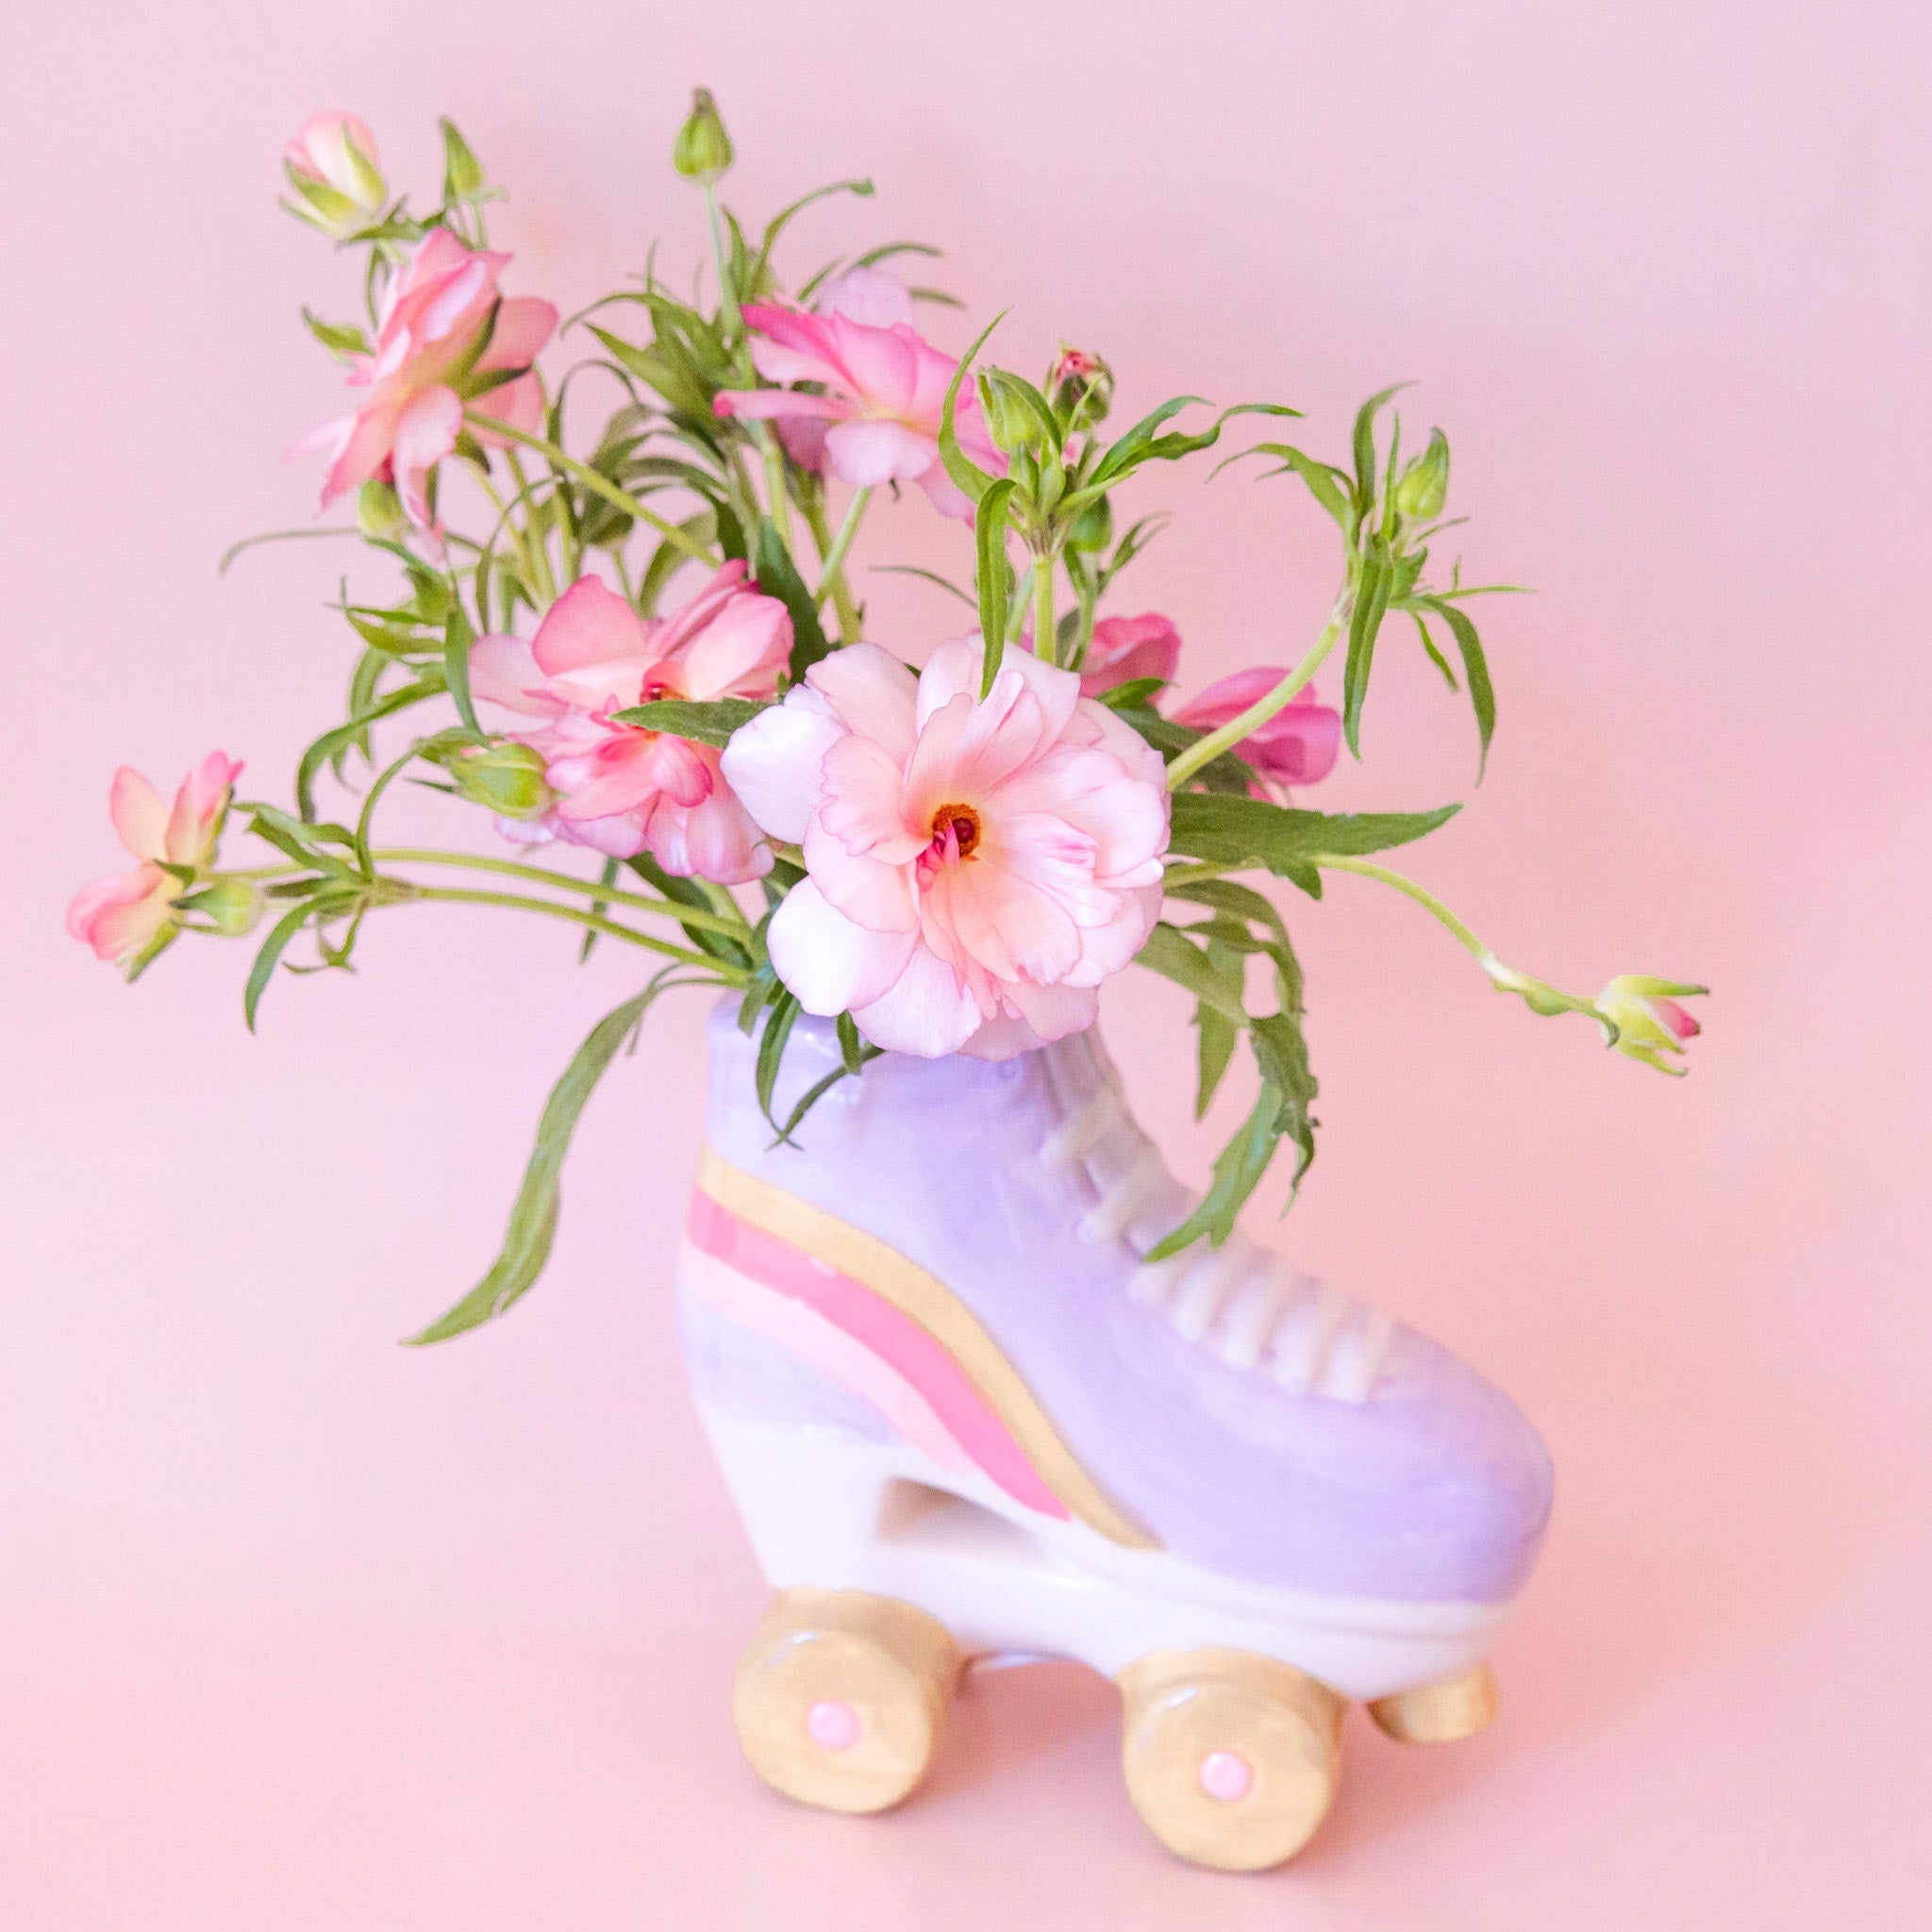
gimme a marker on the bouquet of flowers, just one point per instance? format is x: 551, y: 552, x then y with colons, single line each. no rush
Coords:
x: 634, y: 636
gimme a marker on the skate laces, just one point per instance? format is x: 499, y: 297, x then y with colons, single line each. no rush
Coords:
x: 1253, y: 1309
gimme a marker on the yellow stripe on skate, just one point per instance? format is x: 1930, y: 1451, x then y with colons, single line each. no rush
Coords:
x: 924, y: 1298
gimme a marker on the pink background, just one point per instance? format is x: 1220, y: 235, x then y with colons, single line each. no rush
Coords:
x: 303, y: 1630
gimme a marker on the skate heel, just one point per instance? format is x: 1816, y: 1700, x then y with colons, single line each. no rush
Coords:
x: 841, y: 1697
x: 1439, y: 1714
x: 1230, y: 1758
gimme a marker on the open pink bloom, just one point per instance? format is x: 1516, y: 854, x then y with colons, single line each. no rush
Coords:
x: 122, y: 917
x: 445, y: 332
x: 978, y: 867
x: 878, y: 421
x: 1296, y: 746
x: 1125, y: 648
x: 627, y: 791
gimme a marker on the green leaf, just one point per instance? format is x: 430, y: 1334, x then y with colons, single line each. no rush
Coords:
x: 778, y: 1025
x: 269, y: 951
x: 1476, y: 668
x: 990, y: 540
x: 606, y: 877
x: 462, y: 172
x: 1327, y: 484
x: 932, y: 577
x: 533, y: 1219
x: 709, y: 720
x: 1436, y: 657
x: 1239, y: 832
x: 458, y: 636
x: 1217, y: 1032
x: 1237, y: 1169
x: 1365, y: 446
x: 685, y: 892
x: 777, y: 224
x: 851, y: 1048
x: 1282, y: 1055
x: 1178, y: 958
x: 777, y: 576
x: 1365, y: 621
x: 339, y: 338
x: 959, y: 466
x: 430, y: 685
x: 1134, y: 694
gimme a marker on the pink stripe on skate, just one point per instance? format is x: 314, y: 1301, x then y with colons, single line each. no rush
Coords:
x: 887, y: 1333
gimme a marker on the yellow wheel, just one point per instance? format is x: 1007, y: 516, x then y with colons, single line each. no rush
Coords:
x: 841, y: 1697
x: 1230, y: 1758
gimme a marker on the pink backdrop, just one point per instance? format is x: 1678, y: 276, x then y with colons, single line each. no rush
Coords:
x: 303, y: 1630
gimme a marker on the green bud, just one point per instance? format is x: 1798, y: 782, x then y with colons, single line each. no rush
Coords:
x: 379, y: 511
x: 1011, y: 407
x: 506, y: 778
x: 1093, y: 528
x: 702, y: 151
x: 1081, y: 386
x: 462, y: 172
x: 1423, y: 488
x: 232, y: 906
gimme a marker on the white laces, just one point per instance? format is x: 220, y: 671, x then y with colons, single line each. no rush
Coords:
x: 1252, y: 1309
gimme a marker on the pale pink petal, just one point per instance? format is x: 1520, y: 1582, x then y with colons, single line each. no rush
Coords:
x: 740, y: 652
x: 872, y: 693
x: 776, y: 762
x: 1010, y: 925
x: 425, y: 433
x: 714, y: 841
x: 877, y: 450
x: 794, y: 348
x: 524, y: 325
x: 873, y: 297
x: 804, y: 438
x: 878, y: 896
x: 590, y: 624
x: 1127, y: 648
x: 189, y: 837
x: 927, y: 1010
x: 863, y: 805
x: 139, y: 816
x: 119, y: 916
x: 781, y: 403
x: 505, y: 671
x: 882, y: 365
x: 829, y: 962
x: 954, y: 669
x: 1677, y: 1021
x: 365, y: 450
x: 518, y: 403
x: 945, y: 495
x: 1054, y: 1012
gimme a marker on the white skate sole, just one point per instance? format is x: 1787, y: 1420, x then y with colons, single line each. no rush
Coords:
x: 827, y: 1513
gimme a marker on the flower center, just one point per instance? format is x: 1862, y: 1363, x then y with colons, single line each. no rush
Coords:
x: 959, y: 820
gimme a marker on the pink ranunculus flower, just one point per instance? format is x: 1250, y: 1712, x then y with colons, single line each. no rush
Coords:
x: 445, y: 331
x: 1125, y: 648
x: 126, y: 917
x: 878, y: 421
x: 977, y: 866
x: 335, y: 152
x: 1297, y: 746
x: 624, y: 789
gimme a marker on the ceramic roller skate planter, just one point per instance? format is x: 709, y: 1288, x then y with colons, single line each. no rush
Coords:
x: 966, y: 1422
x: 983, y: 1378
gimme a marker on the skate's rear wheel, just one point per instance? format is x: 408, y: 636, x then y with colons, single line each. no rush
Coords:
x: 841, y: 1696
x: 1230, y: 1758
x: 1439, y: 1714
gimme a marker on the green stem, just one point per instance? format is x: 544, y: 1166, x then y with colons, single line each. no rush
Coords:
x: 731, y: 975
x: 537, y: 875
x: 832, y: 571
x: 540, y: 549
x: 1184, y: 764
x: 1045, y: 643
x: 592, y: 479
x: 518, y: 541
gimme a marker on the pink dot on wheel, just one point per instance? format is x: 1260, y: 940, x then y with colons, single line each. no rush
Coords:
x: 1225, y: 1774
x: 832, y: 1724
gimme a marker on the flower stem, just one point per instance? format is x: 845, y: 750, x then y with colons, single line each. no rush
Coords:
x: 1184, y: 764
x: 592, y: 480
x: 516, y: 902
x: 540, y: 549
x: 537, y: 875
x: 832, y: 570
x: 1045, y: 643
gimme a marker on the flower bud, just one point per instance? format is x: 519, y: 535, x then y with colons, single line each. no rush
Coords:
x: 702, y: 151
x: 507, y: 779
x: 379, y: 511
x: 1011, y: 411
x: 1641, y: 1017
x: 1081, y: 387
x: 331, y: 165
x: 232, y: 905
x: 1423, y: 488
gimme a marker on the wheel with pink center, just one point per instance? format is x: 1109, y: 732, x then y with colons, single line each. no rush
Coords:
x: 1230, y: 1758
x: 841, y: 1697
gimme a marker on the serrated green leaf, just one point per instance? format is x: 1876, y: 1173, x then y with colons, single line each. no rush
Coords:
x: 709, y: 720
x: 1241, y: 832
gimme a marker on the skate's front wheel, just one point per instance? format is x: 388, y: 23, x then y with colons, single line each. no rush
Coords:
x: 1230, y: 1758
x: 841, y: 1696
